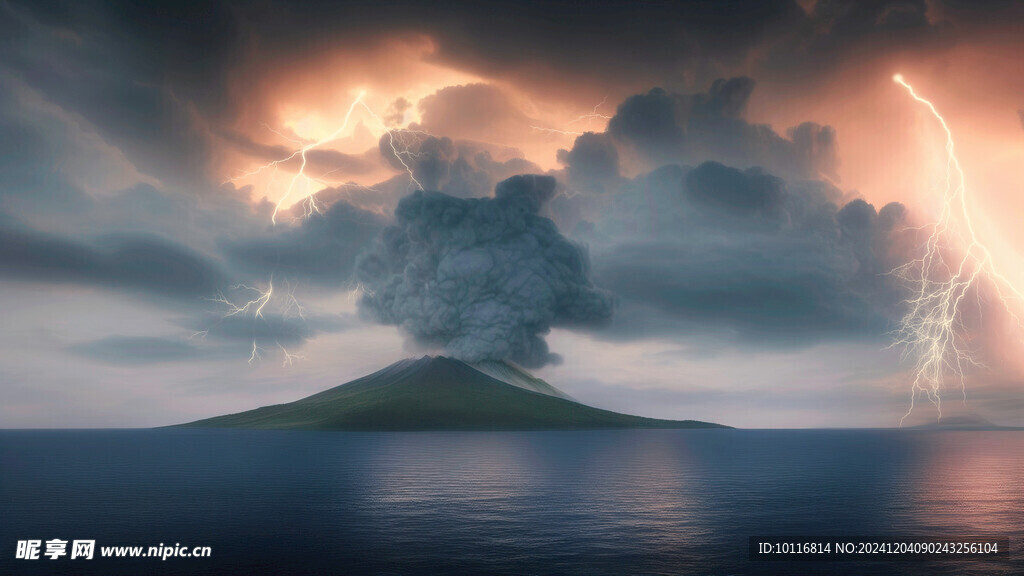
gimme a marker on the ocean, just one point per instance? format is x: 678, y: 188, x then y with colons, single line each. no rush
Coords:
x: 581, y: 502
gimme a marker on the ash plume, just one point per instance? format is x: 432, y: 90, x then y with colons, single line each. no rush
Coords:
x: 484, y: 278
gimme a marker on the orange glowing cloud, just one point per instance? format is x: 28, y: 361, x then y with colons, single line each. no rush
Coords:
x: 287, y: 105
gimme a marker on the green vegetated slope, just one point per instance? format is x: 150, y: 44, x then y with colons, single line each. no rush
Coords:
x: 435, y: 393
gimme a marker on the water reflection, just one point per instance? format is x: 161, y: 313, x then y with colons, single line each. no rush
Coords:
x: 598, y: 502
x: 967, y: 483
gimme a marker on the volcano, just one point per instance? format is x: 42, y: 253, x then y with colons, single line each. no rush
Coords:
x: 439, y: 393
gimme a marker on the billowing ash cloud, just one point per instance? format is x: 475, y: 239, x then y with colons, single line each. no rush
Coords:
x: 484, y: 278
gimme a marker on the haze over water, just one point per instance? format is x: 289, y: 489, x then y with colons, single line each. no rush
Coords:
x: 592, y: 502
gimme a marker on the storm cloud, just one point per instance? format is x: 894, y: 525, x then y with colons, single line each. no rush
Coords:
x: 321, y: 249
x: 189, y: 83
x: 144, y: 264
x: 747, y: 258
x: 456, y: 167
x: 593, y: 163
x: 710, y: 211
x: 483, y: 278
x: 139, y: 350
x: 663, y: 127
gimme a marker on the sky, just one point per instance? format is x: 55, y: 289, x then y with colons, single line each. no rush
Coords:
x: 686, y: 210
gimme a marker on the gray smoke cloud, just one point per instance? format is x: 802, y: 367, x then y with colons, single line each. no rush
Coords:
x: 484, y: 278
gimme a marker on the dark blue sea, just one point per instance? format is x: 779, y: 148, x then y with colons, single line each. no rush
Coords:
x: 591, y: 502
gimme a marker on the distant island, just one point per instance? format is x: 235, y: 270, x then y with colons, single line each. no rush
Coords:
x: 439, y: 393
x: 969, y: 421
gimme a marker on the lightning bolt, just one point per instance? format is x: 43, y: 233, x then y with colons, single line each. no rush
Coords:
x: 288, y: 357
x: 255, y: 353
x: 930, y: 331
x: 301, y: 153
x: 256, y: 305
x: 282, y: 134
x: 395, y: 149
x: 594, y: 114
x: 399, y: 146
x: 556, y: 131
x: 356, y: 290
x: 285, y: 301
x: 291, y: 303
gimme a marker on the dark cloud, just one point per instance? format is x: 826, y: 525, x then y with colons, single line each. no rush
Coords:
x: 129, y: 72
x: 267, y: 329
x: 58, y: 175
x: 138, y: 263
x: 593, y: 163
x: 321, y: 249
x: 189, y: 218
x: 985, y: 20
x: 395, y: 114
x: 456, y: 167
x: 429, y: 158
x: 651, y: 122
x: 483, y: 278
x: 664, y: 127
x: 814, y: 148
x: 214, y: 337
x: 837, y: 30
x: 27, y: 184
x: 182, y: 74
x: 736, y: 293
x: 722, y: 189
x: 33, y: 150
x: 746, y: 257
x: 135, y: 350
x: 169, y: 66
x: 281, y: 323
x: 284, y: 327
x: 665, y: 40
